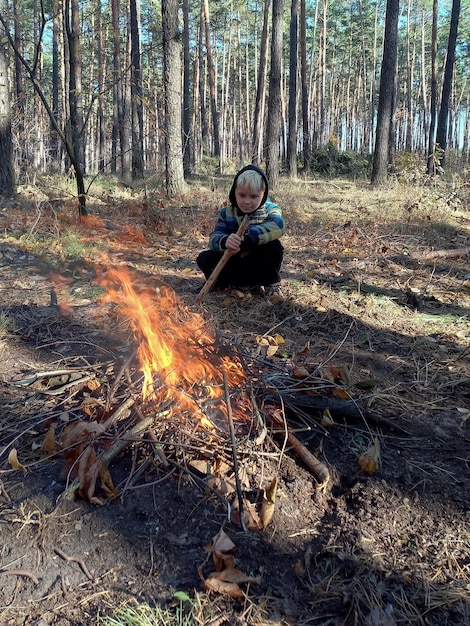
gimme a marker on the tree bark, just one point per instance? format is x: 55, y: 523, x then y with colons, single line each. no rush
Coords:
x: 77, y: 135
x: 273, y: 125
x: 256, y: 151
x: 212, y: 85
x: 443, y: 119
x: 386, y: 94
x: 174, y: 172
x: 292, y: 136
x: 7, y: 176
x: 431, y: 164
x: 186, y: 92
x: 137, y: 113
x: 304, y: 88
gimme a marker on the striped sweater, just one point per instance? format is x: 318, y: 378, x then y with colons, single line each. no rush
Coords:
x: 265, y: 224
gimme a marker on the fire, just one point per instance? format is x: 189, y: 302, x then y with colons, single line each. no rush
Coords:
x: 175, y: 350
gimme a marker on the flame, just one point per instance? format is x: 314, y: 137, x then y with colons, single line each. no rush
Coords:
x: 175, y: 350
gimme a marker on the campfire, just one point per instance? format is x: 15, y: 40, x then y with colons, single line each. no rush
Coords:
x: 178, y: 358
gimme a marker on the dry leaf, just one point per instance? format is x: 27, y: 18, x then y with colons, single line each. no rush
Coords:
x: 226, y: 589
x: 201, y: 467
x: 222, y: 485
x: 250, y: 515
x: 370, y: 460
x: 93, y: 384
x: 327, y: 419
x: 49, y: 445
x: 262, y: 341
x: 306, y: 348
x: 221, y: 542
x: 13, y: 460
x: 90, y: 406
x: 268, y: 504
x: 300, y: 372
x: 271, y: 351
x: 106, y: 483
x: 233, y: 575
x: 340, y: 393
x: 79, y: 432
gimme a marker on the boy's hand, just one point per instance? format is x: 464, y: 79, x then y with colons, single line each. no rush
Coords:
x: 233, y: 242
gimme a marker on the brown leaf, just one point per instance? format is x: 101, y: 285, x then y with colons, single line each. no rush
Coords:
x: 106, y: 483
x: 49, y: 445
x: 90, y: 406
x: 221, y: 485
x: 226, y: 589
x: 268, y: 504
x: 80, y: 432
x: 340, y: 393
x: 88, y: 469
x: 13, y: 460
x: 234, y: 575
x: 250, y: 515
x: 370, y: 460
x: 93, y: 384
x: 300, y: 372
x: 221, y: 542
x: 306, y: 348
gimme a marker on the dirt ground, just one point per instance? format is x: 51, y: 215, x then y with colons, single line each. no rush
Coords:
x: 368, y: 310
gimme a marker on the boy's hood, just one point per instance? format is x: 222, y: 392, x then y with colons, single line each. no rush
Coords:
x: 231, y: 195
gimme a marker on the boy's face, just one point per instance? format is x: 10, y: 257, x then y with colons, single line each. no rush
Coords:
x: 247, y: 199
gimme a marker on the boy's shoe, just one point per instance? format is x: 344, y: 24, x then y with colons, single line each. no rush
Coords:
x: 274, y: 293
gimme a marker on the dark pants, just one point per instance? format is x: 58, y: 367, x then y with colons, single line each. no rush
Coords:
x: 259, y: 267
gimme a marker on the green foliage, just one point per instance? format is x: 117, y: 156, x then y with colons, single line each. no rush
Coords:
x: 329, y: 161
x: 180, y: 614
x: 72, y: 246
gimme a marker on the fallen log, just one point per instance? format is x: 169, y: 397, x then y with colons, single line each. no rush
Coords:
x: 445, y: 254
x: 337, y: 407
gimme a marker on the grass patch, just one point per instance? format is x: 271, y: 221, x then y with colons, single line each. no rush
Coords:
x: 183, y: 612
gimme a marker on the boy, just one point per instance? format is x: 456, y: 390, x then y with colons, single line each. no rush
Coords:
x: 256, y: 258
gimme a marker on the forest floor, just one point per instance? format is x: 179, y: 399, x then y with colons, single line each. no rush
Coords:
x: 369, y: 347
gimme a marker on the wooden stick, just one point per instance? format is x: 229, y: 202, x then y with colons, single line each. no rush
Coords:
x: 445, y: 254
x: 318, y: 469
x: 233, y: 442
x: 220, y: 265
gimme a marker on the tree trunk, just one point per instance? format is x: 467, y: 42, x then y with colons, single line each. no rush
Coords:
x: 386, y: 94
x: 431, y: 163
x: 7, y: 177
x: 292, y: 136
x: 304, y: 88
x: 261, y: 88
x: 137, y: 113
x: 443, y: 119
x: 273, y: 125
x: 120, y: 134
x: 77, y: 138
x: 175, y: 182
x: 212, y: 84
x: 101, y: 62
x: 186, y: 92
x: 55, y: 143
x: 201, y: 84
